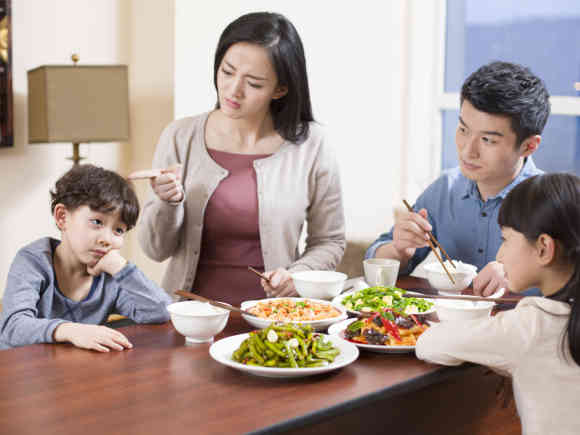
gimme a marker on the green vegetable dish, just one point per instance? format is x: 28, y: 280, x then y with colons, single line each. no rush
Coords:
x: 286, y: 346
x: 377, y: 298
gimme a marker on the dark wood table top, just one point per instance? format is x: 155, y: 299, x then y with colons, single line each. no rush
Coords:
x: 162, y: 386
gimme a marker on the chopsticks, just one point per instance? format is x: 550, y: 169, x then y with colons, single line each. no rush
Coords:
x: 464, y: 298
x: 261, y: 275
x: 432, y: 243
x: 193, y: 296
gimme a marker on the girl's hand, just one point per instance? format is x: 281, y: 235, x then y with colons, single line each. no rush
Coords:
x: 167, y: 186
x: 93, y: 337
x: 112, y: 262
x: 281, y: 284
x: 490, y: 279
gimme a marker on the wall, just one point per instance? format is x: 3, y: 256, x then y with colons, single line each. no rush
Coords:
x: 138, y: 33
x: 356, y: 62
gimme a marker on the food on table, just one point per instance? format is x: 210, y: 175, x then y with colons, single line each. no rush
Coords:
x: 286, y: 346
x: 374, y: 299
x: 291, y: 310
x: 388, y: 328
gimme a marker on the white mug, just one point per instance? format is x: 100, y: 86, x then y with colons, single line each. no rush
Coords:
x: 381, y: 271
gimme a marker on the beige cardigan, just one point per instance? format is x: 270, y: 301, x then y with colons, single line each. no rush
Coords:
x: 524, y: 343
x: 297, y: 184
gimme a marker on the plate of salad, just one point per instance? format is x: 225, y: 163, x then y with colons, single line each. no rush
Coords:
x: 376, y: 299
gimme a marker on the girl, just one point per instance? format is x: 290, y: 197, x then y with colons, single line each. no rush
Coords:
x: 538, y: 343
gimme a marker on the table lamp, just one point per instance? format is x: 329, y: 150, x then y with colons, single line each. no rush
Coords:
x: 78, y: 104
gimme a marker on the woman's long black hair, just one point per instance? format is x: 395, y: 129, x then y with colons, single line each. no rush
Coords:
x: 277, y: 35
x: 550, y: 204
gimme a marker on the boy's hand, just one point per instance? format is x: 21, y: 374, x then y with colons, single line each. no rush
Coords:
x: 490, y: 279
x: 93, y: 337
x: 410, y: 233
x: 281, y: 284
x: 167, y: 186
x: 111, y: 263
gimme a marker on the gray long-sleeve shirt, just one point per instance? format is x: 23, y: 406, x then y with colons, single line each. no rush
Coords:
x: 33, y: 306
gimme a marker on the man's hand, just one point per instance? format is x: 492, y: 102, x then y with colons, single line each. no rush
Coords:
x: 93, y: 337
x: 281, y: 284
x: 167, y: 186
x: 112, y: 262
x: 410, y: 233
x: 490, y: 279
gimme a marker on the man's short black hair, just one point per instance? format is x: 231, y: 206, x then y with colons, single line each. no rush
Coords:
x: 504, y: 88
x: 102, y: 190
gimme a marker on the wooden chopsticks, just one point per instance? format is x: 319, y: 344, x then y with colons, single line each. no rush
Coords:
x: 194, y: 297
x: 434, y: 244
x: 464, y: 298
x: 261, y: 275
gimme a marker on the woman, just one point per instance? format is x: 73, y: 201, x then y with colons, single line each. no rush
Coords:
x: 240, y: 181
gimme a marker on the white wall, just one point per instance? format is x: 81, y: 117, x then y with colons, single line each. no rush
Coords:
x: 356, y: 59
x: 134, y: 32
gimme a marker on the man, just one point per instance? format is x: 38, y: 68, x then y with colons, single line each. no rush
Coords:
x: 504, y: 108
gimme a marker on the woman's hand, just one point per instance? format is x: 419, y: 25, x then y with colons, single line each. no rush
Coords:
x: 93, y: 337
x: 281, y: 284
x: 167, y: 186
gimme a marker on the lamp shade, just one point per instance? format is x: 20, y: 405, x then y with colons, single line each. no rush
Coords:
x: 79, y: 104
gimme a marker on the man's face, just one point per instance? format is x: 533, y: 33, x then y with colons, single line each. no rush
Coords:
x: 486, y: 148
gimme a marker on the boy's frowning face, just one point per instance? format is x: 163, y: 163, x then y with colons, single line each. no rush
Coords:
x: 486, y: 148
x: 90, y: 234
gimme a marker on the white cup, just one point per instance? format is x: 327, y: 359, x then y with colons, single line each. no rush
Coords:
x: 381, y: 271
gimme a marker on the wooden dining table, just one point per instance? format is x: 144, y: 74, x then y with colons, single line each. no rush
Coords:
x: 161, y: 386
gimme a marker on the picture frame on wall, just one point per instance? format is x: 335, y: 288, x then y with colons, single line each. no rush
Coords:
x: 6, y: 109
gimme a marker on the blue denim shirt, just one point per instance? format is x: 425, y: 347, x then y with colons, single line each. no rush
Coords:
x: 463, y: 223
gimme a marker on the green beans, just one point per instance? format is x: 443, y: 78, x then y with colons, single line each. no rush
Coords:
x: 286, y: 346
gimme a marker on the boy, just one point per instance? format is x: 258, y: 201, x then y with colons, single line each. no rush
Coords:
x: 504, y: 108
x: 61, y: 291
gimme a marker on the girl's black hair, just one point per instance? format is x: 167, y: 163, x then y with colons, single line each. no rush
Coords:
x: 102, y: 190
x: 277, y: 35
x: 550, y: 204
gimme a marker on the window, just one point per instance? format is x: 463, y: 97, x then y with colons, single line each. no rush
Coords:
x: 544, y: 36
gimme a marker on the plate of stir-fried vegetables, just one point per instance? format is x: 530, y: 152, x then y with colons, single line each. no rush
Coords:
x: 376, y: 299
x: 386, y: 331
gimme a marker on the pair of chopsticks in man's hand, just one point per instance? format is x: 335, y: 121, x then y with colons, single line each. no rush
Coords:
x: 434, y: 244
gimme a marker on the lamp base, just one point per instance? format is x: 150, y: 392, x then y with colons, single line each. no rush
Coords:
x: 76, y: 157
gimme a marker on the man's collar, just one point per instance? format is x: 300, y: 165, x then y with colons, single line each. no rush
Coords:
x: 528, y: 169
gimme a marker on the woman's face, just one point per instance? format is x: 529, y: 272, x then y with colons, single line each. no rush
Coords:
x: 247, y: 82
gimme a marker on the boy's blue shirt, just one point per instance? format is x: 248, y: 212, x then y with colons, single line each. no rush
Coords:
x: 463, y: 224
x: 33, y: 305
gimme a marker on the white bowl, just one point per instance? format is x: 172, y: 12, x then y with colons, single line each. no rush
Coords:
x: 197, y: 321
x: 462, y: 310
x: 317, y: 325
x: 319, y: 284
x: 463, y: 275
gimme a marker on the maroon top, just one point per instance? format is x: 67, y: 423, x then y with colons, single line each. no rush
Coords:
x: 231, y: 237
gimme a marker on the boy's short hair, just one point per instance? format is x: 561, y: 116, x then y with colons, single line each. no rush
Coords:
x: 102, y: 190
x: 504, y: 88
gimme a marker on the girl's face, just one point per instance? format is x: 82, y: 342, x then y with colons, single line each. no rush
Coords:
x: 247, y: 82
x: 88, y: 235
x: 519, y: 259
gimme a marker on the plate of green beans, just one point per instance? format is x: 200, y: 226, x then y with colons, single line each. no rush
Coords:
x: 284, y: 351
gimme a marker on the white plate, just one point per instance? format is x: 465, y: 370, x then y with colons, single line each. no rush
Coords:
x: 337, y: 330
x: 222, y: 351
x: 337, y: 301
x: 317, y: 325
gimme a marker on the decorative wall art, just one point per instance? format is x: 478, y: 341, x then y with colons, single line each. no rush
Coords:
x: 6, y: 112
